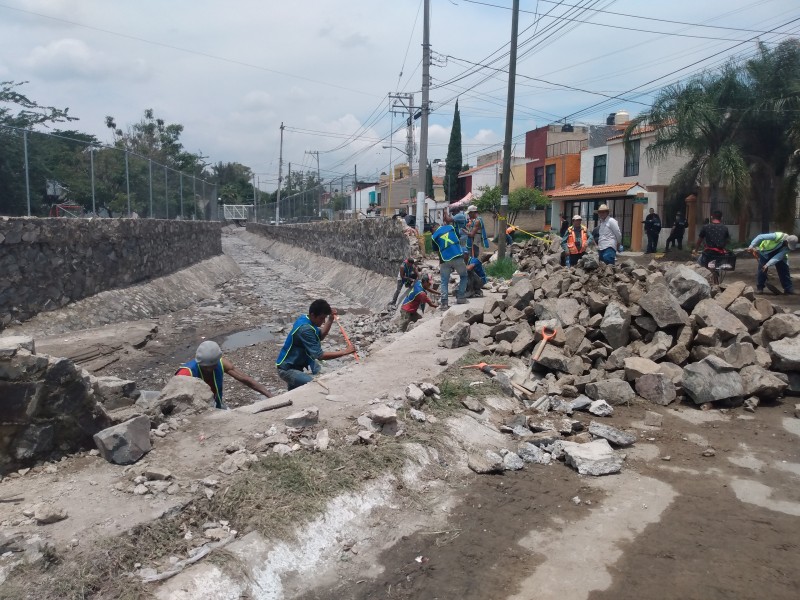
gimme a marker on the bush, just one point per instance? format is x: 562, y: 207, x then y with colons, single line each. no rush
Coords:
x: 503, y: 268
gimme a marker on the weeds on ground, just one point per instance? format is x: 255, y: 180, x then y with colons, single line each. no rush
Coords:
x: 274, y: 496
x: 502, y: 268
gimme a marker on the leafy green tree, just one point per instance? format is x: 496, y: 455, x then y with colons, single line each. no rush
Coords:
x: 518, y: 200
x: 429, y: 190
x: 454, y: 159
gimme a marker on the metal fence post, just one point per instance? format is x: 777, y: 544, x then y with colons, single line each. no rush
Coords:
x: 128, y: 183
x: 150, y: 169
x: 27, y: 174
x: 91, y: 161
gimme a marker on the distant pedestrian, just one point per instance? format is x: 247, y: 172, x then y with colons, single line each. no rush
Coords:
x: 564, y: 226
x: 676, y: 233
x: 609, y: 237
x: 652, y: 227
x: 773, y: 250
x: 303, y: 346
x: 445, y: 242
x: 575, y: 241
x: 415, y: 299
x: 210, y: 366
x: 510, y: 234
x: 408, y: 273
x: 476, y: 232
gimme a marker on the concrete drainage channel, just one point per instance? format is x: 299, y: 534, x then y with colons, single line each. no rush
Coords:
x: 610, y: 395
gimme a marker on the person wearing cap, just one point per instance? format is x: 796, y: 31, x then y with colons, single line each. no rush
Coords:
x: 409, y: 272
x: 476, y: 232
x: 476, y: 276
x: 575, y: 241
x: 676, y: 233
x: 303, y: 346
x: 210, y: 366
x: 415, y: 299
x: 445, y: 241
x: 773, y: 250
x: 456, y: 217
x: 609, y: 237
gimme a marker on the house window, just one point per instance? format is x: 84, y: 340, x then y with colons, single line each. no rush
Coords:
x: 632, y: 158
x: 538, y: 177
x: 599, y: 172
x: 550, y: 177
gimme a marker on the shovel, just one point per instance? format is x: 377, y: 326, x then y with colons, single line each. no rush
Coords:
x: 547, y: 335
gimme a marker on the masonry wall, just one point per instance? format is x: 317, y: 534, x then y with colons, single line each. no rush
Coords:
x: 377, y: 245
x: 48, y: 263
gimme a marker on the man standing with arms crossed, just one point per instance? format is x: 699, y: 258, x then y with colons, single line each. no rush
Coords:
x: 609, y: 236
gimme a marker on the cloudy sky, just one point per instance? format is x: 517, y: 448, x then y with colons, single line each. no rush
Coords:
x: 231, y: 71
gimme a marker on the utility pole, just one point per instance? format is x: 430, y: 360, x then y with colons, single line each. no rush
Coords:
x: 280, y: 177
x: 255, y: 199
x: 512, y: 73
x: 422, y: 171
x: 407, y: 102
x: 355, y: 189
x: 319, y: 180
x: 290, y: 188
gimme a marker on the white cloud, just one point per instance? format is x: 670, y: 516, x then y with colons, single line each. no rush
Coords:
x: 257, y: 100
x: 70, y: 58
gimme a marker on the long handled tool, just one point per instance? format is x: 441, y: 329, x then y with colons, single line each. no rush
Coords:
x: 547, y: 335
x: 491, y: 372
x: 344, y: 334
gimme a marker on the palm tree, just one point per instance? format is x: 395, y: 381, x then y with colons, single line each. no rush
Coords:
x: 701, y: 120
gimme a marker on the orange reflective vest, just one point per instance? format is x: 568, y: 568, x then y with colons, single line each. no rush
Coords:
x: 511, y: 230
x: 571, y: 245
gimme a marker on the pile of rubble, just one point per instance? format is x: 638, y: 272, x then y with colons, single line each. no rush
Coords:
x: 628, y: 333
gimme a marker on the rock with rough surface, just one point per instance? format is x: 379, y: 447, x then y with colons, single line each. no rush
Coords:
x: 45, y: 514
x: 182, y: 395
x: 712, y: 379
x: 785, y: 354
x: 512, y: 462
x: 601, y: 408
x: 456, y: 337
x: 594, y: 458
x: 757, y: 381
x: 307, y: 417
x: 382, y: 414
x: 125, y: 443
x: 615, y: 325
x: 636, y: 366
x: 533, y: 454
x: 711, y: 314
x: 520, y: 294
x: 688, y: 286
x: 656, y: 388
x: 486, y: 462
x: 415, y: 395
x: 614, y: 391
x: 663, y: 307
x: 746, y: 312
x: 781, y: 326
x: 612, y: 434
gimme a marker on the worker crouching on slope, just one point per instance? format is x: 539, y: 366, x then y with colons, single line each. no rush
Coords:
x: 303, y: 346
x: 476, y: 276
x: 416, y: 297
x: 210, y: 366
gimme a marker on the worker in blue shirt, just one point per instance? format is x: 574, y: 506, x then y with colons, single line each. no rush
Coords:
x: 772, y: 249
x: 445, y: 241
x: 476, y: 276
x: 303, y: 346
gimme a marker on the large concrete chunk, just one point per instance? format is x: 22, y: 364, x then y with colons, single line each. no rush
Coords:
x: 658, y: 347
x: 555, y: 359
x: 712, y: 379
x: 114, y: 392
x: 785, y: 354
x: 746, y: 312
x: 663, y: 307
x: 565, y: 310
x: 615, y: 325
x: 613, y: 391
x: 533, y: 454
x: 595, y: 458
x: 732, y: 291
x: 486, y: 462
x: 612, y: 434
x: 520, y: 294
x: 757, y: 381
x: 711, y: 314
x: 781, y: 326
x: 182, y: 394
x: 456, y: 337
x: 524, y: 340
x: 656, y: 388
x: 308, y: 417
x: 688, y: 286
x: 636, y: 366
x: 125, y: 443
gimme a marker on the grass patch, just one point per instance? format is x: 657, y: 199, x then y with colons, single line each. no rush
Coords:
x: 273, y: 497
x: 502, y: 268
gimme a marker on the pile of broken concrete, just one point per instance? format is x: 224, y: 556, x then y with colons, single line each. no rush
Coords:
x: 655, y: 335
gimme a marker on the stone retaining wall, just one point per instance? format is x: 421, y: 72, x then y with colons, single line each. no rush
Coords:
x: 48, y: 263
x: 376, y: 245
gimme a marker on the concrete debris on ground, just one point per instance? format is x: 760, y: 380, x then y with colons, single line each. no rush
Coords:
x: 125, y: 443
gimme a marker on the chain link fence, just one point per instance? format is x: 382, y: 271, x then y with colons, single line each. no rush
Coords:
x: 65, y: 174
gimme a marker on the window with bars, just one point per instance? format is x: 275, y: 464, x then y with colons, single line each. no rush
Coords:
x: 550, y: 177
x: 538, y: 178
x: 599, y: 171
x: 632, y: 158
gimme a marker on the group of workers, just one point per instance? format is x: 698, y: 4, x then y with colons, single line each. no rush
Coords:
x: 457, y: 242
